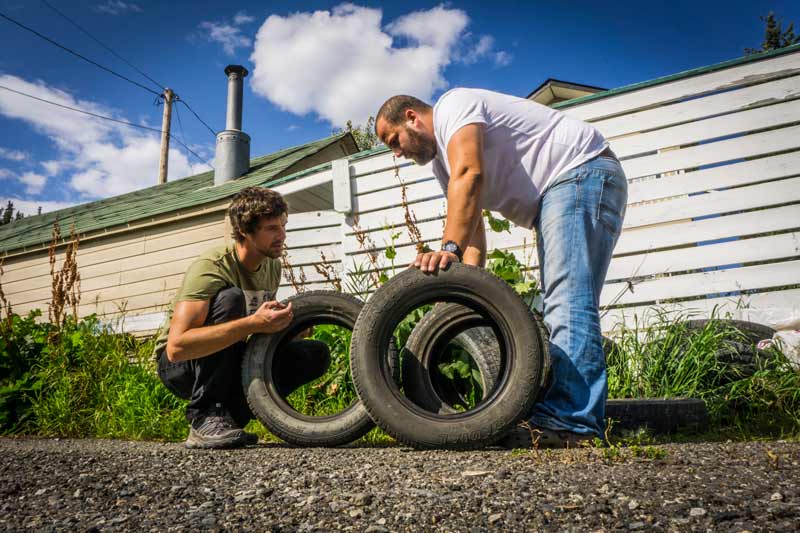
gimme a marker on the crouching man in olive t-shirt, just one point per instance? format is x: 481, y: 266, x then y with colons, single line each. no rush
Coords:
x: 227, y: 294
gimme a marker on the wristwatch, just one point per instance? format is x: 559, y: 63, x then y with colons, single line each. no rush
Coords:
x: 452, y: 247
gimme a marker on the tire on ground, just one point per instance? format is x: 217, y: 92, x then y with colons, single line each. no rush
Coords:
x: 272, y: 410
x: 660, y: 416
x: 738, y: 349
x: 513, y: 324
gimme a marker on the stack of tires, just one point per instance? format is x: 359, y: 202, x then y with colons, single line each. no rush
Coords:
x: 397, y: 389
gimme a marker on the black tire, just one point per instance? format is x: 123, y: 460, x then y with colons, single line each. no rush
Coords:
x: 513, y: 324
x: 431, y: 334
x: 743, y: 331
x: 659, y: 416
x: 444, y: 324
x: 738, y: 350
x: 272, y: 410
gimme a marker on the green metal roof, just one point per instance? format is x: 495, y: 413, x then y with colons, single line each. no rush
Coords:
x: 189, y: 192
x: 678, y: 76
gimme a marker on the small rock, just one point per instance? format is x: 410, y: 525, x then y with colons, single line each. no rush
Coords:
x: 381, y: 521
x: 633, y: 504
x: 777, y: 497
x: 495, y: 517
x: 334, y: 506
x: 376, y: 529
x: 244, y: 496
x: 475, y: 473
x: 362, y: 498
x: 697, y: 511
x: 40, y: 492
x: 503, y: 473
x: 636, y: 525
x: 355, y: 513
x: 77, y: 493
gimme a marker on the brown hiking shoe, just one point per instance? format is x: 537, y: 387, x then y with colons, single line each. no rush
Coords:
x: 527, y: 435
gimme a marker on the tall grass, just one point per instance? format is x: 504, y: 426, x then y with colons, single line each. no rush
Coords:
x: 746, y: 390
x: 82, y: 380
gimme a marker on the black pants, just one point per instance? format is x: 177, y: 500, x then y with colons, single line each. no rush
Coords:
x: 217, y: 378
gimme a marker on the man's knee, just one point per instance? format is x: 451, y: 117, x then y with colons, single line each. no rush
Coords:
x: 228, y: 304
x: 320, y: 354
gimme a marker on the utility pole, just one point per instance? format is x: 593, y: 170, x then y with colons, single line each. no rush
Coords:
x: 166, y: 121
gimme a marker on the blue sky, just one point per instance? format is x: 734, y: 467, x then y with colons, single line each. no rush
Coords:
x: 313, y: 65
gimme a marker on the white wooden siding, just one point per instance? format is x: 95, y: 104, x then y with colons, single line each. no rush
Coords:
x: 715, y: 157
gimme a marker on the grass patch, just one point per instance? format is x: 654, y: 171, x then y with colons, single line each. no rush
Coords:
x: 81, y: 380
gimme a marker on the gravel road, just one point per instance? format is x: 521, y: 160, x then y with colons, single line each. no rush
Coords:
x: 101, y: 485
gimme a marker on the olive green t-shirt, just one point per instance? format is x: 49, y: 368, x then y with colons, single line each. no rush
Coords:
x: 220, y: 268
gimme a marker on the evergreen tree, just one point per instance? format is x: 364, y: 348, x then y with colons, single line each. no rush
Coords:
x: 774, y: 36
x: 8, y: 213
x: 39, y: 211
x: 19, y: 215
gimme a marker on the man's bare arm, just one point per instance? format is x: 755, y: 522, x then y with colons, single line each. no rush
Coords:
x: 190, y: 339
x: 465, y: 155
x: 475, y: 252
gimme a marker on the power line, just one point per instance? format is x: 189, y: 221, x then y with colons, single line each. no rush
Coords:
x: 214, y: 133
x: 51, y: 41
x: 95, y: 39
x: 180, y: 124
x: 106, y: 118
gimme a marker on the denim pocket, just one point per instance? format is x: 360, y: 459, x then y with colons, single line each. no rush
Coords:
x: 613, y: 201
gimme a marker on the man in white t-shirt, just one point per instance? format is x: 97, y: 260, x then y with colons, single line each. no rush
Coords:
x: 540, y: 169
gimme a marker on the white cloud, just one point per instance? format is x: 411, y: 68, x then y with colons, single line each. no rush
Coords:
x: 242, y: 18
x: 117, y: 7
x: 5, y: 173
x: 52, y: 167
x: 502, y: 59
x: 229, y: 35
x: 12, y: 155
x: 342, y: 64
x: 34, y: 182
x: 484, y: 49
x: 31, y: 207
x: 98, y: 158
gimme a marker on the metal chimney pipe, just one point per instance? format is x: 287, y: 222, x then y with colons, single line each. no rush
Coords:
x: 233, y: 145
x: 236, y: 74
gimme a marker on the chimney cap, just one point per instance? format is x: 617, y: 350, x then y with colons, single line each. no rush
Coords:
x: 237, y: 69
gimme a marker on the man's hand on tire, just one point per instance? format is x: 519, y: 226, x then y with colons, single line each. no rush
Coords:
x: 429, y: 262
x: 272, y: 317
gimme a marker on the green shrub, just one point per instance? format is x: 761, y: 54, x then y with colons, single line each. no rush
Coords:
x: 80, y: 381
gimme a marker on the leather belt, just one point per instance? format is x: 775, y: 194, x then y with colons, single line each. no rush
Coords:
x: 608, y: 152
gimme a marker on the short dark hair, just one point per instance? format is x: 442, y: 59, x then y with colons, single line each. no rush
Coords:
x: 394, y: 108
x: 250, y: 205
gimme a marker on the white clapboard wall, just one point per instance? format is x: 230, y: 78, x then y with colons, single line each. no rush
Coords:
x: 713, y: 164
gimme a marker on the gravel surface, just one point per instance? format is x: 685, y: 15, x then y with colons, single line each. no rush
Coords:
x: 99, y: 485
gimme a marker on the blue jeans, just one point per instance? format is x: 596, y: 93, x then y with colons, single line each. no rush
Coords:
x: 579, y: 221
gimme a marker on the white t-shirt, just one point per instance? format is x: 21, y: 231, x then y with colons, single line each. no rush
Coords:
x: 525, y: 147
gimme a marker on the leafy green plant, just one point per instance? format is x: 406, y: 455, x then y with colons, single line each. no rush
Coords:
x: 82, y: 380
